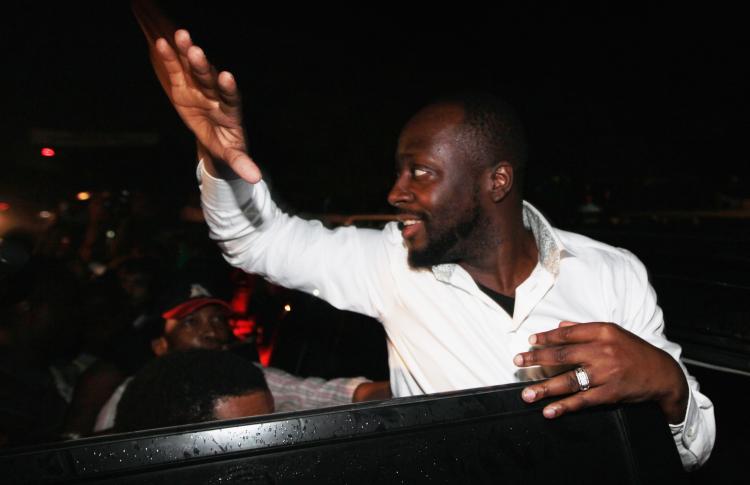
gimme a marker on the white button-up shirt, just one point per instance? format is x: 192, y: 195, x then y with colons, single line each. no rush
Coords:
x: 444, y: 333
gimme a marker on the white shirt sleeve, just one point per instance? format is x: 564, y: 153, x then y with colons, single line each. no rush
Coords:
x: 641, y: 315
x: 344, y: 265
x: 695, y: 435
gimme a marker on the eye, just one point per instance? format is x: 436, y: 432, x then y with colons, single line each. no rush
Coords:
x: 418, y: 172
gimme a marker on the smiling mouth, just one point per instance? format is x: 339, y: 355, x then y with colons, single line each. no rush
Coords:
x: 409, y: 225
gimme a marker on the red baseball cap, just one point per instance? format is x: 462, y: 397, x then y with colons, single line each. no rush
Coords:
x: 194, y: 304
x: 188, y: 294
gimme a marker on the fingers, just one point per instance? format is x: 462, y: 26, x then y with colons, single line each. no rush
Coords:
x: 228, y: 89
x: 194, y: 59
x: 202, y: 70
x: 571, y: 332
x: 565, y: 383
x: 183, y: 40
x: 212, y: 84
x: 621, y: 367
x: 208, y: 102
x: 558, y: 355
x: 576, y: 402
x: 171, y: 63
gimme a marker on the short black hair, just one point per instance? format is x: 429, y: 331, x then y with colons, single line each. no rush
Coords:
x: 183, y: 387
x: 497, y: 132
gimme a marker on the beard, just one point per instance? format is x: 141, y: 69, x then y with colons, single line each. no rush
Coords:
x: 448, y: 243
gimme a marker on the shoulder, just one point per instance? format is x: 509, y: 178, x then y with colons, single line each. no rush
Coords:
x: 596, y: 254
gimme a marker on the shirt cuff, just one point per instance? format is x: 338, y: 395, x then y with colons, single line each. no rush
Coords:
x: 221, y: 194
x: 690, y: 436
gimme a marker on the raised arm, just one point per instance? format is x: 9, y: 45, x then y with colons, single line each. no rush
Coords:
x: 207, y: 101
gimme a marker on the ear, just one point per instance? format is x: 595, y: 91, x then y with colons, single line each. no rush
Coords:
x: 502, y: 181
x: 159, y: 346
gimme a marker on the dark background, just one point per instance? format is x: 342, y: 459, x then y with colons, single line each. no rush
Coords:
x: 644, y: 103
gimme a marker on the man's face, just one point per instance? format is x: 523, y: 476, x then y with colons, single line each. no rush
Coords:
x: 436, y: 189
x: 206, y: 328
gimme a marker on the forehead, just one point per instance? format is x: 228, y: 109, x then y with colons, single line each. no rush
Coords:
x: 211, y: 309
x: 433, y: 129
x: 208, y: 311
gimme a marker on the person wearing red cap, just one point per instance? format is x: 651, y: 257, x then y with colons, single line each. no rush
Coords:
x: 196, y: 319
x: 199, y: 322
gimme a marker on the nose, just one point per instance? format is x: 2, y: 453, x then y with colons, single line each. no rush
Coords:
x: 209, y: 327
x: 400, y: 193
x: 222, y: 330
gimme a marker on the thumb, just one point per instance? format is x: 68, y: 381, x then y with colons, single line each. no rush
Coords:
x: 241, y: 164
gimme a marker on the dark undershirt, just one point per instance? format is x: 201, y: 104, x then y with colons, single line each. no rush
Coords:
x: 506, y: 302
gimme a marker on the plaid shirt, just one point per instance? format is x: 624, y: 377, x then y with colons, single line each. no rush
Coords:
x: 293, y: 393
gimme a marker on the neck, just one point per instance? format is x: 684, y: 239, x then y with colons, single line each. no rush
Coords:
x: 507, y: 261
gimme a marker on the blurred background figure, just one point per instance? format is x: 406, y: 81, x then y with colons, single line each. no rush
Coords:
x: 196, y: 317
x: 81, y: 298
x: 40, y: 327
x: 191, y: 387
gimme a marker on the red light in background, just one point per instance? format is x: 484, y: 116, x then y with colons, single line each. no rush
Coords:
x: 48, y: 152
x: 244, y: 325
x: 4, y: 206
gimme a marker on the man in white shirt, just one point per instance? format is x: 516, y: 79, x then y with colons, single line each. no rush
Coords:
x: 476, y: 288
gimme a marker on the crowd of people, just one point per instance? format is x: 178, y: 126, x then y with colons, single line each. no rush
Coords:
x: 87, y: 321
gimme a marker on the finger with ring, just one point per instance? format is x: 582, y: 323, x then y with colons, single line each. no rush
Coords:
x: 584, y: 383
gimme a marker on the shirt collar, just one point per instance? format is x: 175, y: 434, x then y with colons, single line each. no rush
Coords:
x: 550, y: 247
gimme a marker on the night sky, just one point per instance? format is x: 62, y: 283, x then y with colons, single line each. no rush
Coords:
x: 648, y: 104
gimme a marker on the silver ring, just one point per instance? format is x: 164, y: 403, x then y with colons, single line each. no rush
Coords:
x: 584, y: 383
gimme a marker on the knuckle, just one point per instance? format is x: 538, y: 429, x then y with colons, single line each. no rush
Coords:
x: 541, y: 391
x: 608, y: 331
x: 616, y: 372
x: 560, y: 354
x: 609, y: 350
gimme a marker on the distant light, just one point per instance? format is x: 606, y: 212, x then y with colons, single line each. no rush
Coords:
x: 48, y: 152
x: 45, y: 214
x: 110, y: 234
x: 4, y: 206
x: 316, y: 292
x: 287, y: 307
x: 83, y: 195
